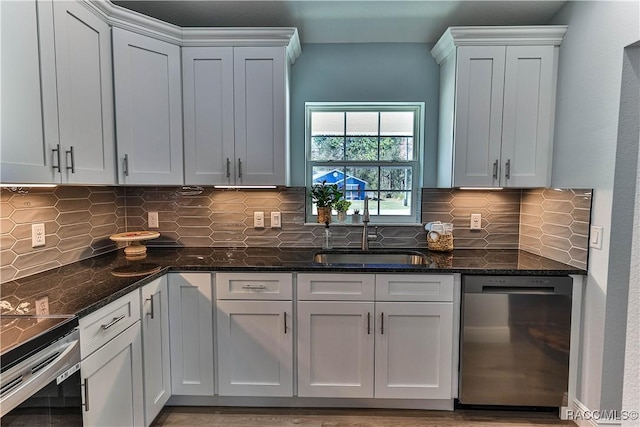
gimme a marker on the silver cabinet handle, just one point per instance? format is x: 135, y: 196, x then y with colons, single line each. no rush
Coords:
x: 381, y: 323
x: 113, y: 322
x: 86, y: 394
x: 507, y: 169
x: 73, y: 160
x: 368, y: 323
x: 285, y: 322
x: 495, y: 169
x: 55, y: 152
x: 239, y: 168
x: 151, y: 313
x: 228, y: 168
x: 125, y: 165
x: 254, y: 287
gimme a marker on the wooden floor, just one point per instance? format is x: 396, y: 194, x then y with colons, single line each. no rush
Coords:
x: 288, y: 417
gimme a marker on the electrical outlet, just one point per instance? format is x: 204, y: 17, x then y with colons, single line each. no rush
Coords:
x: 37, y: 235
x: 276, y: 220
x: 258, y: 220
x: 42, y: 306
x: 153, y: 219
x: 476, y: 222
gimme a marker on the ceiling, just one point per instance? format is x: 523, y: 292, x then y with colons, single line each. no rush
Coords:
x: 349, y: 21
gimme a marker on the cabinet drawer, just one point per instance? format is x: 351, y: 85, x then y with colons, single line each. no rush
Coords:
x: 406, y: 287
x: 262, y: 286
x: 344, y: 287
x: 101, y: 326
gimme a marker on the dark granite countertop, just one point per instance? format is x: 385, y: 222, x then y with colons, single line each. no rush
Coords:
x: 84, y: 286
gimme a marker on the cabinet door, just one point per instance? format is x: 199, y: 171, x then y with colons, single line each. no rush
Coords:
x: 85, y: 94
x: 255, y: 348
x: 478, y: 123
x: 207, y: 79
x: 155, y: 347
x: 414, y: 350
x: 29, y: 104
x: 191, y: 332
x: 112, y: 382
x: 529, y: 109
x: 335, y: 349
x: 261, y: 123
x: 148, y: 105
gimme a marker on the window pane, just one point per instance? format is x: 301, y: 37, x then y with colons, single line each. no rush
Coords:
x: 362, y: 123
x: 327, y: 148
x: 362, y: 148
x: 361, y: 180
x: 395, y: 178
x: 333, y: 175
x: 327, y: 123
x: 374, y: 197
x: 396, y: 148
x: 396, y: 123
x: 395, y: 203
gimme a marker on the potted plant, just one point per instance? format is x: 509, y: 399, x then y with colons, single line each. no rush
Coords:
x: 355, y: 217
x: 324, y: 196
x: 341, y: 206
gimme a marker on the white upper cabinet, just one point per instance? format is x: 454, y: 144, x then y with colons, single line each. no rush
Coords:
x: 497, y: 105
x: 148, y: 103
x: 236, y: 115
x: 85, y: 95
x: 208, y: 115
x: 57, y: 100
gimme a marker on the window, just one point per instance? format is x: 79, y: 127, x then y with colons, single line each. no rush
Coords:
x: 368, y: 150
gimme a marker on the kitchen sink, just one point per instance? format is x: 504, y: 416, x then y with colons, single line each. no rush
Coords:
x: 388, y: 257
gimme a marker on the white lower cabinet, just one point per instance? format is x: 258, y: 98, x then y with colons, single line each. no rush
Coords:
x: 255, y: 334
x: 255, y: 348
x: 111, y: 366
x: 191, y: 334
x: 399, y: 348
x: 414, y: 350
x: 335, y: 349
x: 154, y: 317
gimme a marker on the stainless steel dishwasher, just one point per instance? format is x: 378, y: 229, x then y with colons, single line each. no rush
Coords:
x: 514, y: 342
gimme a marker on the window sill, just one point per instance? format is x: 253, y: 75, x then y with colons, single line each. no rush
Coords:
x: 371, y: 224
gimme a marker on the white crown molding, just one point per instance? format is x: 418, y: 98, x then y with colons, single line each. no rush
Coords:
x: 120, y: 17
x: 245, y: 36
x: 497, y: 36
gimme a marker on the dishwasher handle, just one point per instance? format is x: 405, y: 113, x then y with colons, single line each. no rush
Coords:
x: 520, y: 285
x: 533, y: 290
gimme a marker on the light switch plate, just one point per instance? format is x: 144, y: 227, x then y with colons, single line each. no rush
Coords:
x: 258, y: 220
x: 595, y: 237
x: 153, y: 220
x: 276, y: 220
x: 37, y: 235
x: 476, y: 222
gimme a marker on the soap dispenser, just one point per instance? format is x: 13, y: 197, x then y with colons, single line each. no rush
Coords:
x: 326, y: 237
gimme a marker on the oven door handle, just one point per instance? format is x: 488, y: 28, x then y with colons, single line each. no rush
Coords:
x: 69, y: 355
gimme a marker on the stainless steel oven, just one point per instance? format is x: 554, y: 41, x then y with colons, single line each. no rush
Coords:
x: 40, y: 378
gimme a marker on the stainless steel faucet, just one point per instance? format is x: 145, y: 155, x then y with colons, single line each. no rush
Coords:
x: 365, y: 229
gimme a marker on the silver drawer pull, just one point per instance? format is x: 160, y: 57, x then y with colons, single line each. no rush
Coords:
x: 254, y: 287
x: 113, y: 322
x: 86, y: 394
x: 151, y: 312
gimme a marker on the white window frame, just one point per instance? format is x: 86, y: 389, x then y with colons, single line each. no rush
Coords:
x: 416, y: 164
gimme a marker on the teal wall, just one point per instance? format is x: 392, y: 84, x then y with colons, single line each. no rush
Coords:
x: 368, y: 72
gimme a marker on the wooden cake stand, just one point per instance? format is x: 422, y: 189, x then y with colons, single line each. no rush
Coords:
x: 136, y: 250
